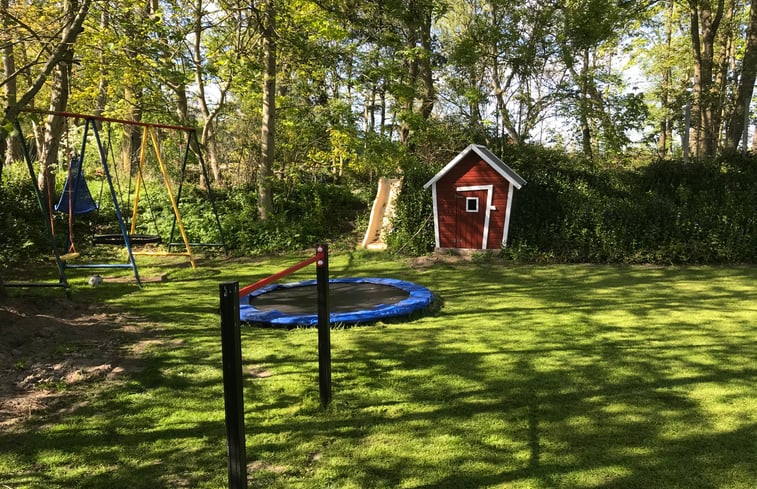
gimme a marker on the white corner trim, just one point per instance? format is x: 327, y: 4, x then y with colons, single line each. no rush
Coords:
x: 436, y: 216
x: 507, y: 215
x: 489, y: 197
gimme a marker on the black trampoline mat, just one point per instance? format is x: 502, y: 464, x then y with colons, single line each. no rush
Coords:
x: 343, y: 297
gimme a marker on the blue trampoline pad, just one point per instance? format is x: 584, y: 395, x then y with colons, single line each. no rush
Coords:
x: 351, y: 300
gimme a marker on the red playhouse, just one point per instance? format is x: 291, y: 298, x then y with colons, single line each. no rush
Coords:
x: 473, y: 197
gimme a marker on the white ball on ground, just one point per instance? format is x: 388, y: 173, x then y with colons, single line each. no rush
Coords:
x: 95, y: 280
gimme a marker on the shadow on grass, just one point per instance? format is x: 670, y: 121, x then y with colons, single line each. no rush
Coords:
x: 605, y: 377
x: 586, y: 404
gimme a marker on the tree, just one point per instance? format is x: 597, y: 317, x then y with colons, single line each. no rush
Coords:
x: 58, y: 65
x: 54, y: 51
x: 588, y: 39
x: 73, y: 14
x: 268, y: 125
x: 738, y: 122
x: 705, y: 23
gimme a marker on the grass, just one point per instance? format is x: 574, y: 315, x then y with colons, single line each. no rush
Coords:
x: 528, y: 377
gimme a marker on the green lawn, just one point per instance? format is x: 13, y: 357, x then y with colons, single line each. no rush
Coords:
x: 528, y: 377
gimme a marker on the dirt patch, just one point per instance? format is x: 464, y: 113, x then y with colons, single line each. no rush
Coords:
x: 50, y: 349
x: 445, y: 257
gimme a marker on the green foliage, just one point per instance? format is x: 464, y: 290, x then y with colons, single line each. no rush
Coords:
x: 413, y: 231
x: 23, y: 235
x: 666, y: 212
x: 304, y: 214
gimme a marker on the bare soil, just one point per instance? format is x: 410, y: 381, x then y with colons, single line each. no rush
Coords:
x: 51, y: 350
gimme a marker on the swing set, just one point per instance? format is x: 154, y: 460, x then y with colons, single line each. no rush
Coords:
x: 76, y: 198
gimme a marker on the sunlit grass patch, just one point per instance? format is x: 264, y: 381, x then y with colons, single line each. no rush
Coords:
x: 527, y: 377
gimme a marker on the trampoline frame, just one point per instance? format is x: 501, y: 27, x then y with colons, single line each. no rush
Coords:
x: 419, y: 298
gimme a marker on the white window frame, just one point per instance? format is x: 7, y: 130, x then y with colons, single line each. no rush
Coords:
x: 468, y: 201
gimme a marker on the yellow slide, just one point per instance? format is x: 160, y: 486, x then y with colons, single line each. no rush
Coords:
x: 382, y: 213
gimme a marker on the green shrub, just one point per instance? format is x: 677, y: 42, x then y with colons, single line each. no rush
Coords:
x: 666, y: 212
x: 304, y: 214
x: 413, y: 224
x: 23, y: 235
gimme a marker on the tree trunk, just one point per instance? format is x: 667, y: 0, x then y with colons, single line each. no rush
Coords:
x: 382, y: 119
x: 427, y: 75
x: 102, y: 87
x: 267, y: 139
x: 704, y: 27
x: 736, y: 124
x: 369, y: 110
x: 665, y: 126
x: 208, y: 139
x: 132, y: 135
x: 55, y: 124
x: 11, y: 151
x: 412, y: 78
x: 75, y: 13
x: 722, y: 61
x: 584, y: 107
x: 502, y: 110
x: 49, y: 156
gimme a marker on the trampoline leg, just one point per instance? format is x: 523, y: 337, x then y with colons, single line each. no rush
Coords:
x: 324, y: 325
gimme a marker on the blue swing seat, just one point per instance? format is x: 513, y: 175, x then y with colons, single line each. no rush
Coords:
x: 77, y: 188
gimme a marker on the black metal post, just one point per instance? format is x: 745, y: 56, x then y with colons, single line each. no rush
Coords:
x: 324, y: 324
x: 231, y: 345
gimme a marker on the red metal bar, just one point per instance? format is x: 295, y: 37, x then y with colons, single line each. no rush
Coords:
x: 319, y: 255
x: 108, y: 119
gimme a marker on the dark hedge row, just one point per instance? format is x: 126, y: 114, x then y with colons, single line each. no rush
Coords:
x: 666, y: 212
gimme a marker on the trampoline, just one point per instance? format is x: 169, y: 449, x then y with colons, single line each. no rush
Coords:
x: 351, y: 300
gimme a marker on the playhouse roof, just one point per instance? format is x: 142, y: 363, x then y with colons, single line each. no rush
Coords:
x: 498, y: 165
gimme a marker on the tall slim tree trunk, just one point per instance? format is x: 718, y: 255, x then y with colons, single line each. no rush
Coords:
x: 704, y: 27
x: 54, y: 129
x: 382, y: 118
x: 408, y: 104
x: 134, y: 93
x: 12, y: 149
x: 585, y: 108
x: 267, y: 136
x: 427, y: 75
x: 55, y: 124
x: 102, y: 87
x: 369, y: 110
x: 736, y: 124
x: 132, y: 135
x: 722, y: 60
x: 208, y: 138
x: 665, y: 126
x: 502, y: 110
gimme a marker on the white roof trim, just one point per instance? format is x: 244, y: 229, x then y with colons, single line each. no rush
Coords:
x: 499, y: 166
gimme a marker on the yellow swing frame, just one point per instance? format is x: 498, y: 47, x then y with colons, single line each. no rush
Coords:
x: 149, y: 131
